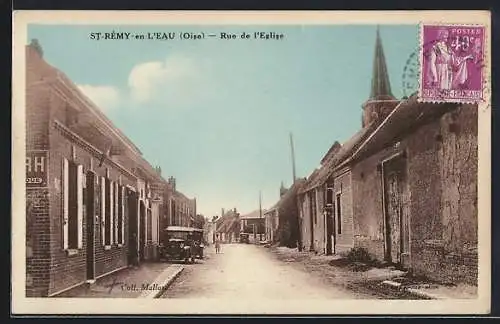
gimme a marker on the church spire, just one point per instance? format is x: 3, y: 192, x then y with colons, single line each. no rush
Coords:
x: 380, y: 87
x: 381, y: 101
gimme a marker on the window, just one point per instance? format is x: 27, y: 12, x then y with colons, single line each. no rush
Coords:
x: 72, y: 205
x: 103, y: 209
x: 329, y: 196
x: 339, y: 214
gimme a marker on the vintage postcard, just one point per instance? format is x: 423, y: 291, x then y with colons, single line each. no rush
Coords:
x: 251, y: 162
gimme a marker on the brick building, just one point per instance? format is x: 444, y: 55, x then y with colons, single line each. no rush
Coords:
x: 89, y: 206
x: 181, y: 210
x: 404, y: 187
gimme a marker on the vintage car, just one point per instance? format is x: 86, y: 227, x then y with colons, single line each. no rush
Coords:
x: 177, y: 244
x: 244, y: 238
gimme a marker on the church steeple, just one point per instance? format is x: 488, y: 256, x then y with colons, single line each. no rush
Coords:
x: 381, y: 101
x: 381, y: 86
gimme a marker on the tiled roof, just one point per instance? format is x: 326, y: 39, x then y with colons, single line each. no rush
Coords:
x: 290, y: 192
x: 319, y: 176
x: 407, y: 116
x: 227, y: 223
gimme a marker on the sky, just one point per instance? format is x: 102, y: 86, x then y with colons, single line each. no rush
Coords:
x: 216, y: 114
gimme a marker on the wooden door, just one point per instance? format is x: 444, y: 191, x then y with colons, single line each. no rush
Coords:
x: 329, y: 232
x: 397, y: 233
x: 132, y: 200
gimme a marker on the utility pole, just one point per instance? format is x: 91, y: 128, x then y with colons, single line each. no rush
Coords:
x: 260, y: 214
x: 293, y: 158
x: 292, y: 151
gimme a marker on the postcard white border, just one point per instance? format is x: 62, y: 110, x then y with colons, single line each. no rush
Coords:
x: 23, y: 305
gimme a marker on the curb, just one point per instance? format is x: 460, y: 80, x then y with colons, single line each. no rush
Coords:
x: 412, y: 291
x: 163, y: 281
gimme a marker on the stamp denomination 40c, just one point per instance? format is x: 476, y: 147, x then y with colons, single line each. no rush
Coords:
x: 451, y: 63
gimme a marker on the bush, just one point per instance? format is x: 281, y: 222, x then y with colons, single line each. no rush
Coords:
x: 359, y: 254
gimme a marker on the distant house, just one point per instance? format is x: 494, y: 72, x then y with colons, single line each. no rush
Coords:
x: 254, y: 224
x: 182, y: 210
x: 228, y: 226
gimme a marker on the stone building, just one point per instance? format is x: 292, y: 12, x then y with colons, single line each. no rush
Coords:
x: 89, y: 208
x: 282, y: 220
x: 404, y: 187
x: 416, y: 177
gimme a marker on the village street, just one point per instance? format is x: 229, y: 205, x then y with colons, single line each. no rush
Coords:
x: 247, y: 271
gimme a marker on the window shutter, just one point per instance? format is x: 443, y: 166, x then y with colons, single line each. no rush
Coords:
x: 123, y: 215
x: 79, y: 192
x: 103, y: 210
x: 111, y: 212
x: 65, y: 219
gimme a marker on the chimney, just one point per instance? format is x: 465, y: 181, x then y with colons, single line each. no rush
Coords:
x: 222, y: 212
x: 36, y: 46
x: 171, y: 181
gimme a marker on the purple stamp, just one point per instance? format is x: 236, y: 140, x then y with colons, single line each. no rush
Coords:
x: 451, y: 63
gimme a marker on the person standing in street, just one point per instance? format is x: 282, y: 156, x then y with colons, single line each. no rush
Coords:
x: 217, y: 246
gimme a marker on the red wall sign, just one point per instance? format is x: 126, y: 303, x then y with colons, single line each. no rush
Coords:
x: 36, y: 169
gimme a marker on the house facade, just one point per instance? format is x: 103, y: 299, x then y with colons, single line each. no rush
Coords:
x: 90, y: 209
x: 254, y: 224
x: 271, y: 223
x: 227, y: 226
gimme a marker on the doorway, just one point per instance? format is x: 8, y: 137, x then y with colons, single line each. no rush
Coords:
x: 132, y: 200
x: 329, y: 221
x: 90, y: 224
x: 142, y: 233
x: 329, y: 233
x: 311, y: 219
x: 397, y: 234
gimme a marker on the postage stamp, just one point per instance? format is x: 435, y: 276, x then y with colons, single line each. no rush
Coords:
x: 244, y: 163
x: 452, y: 63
